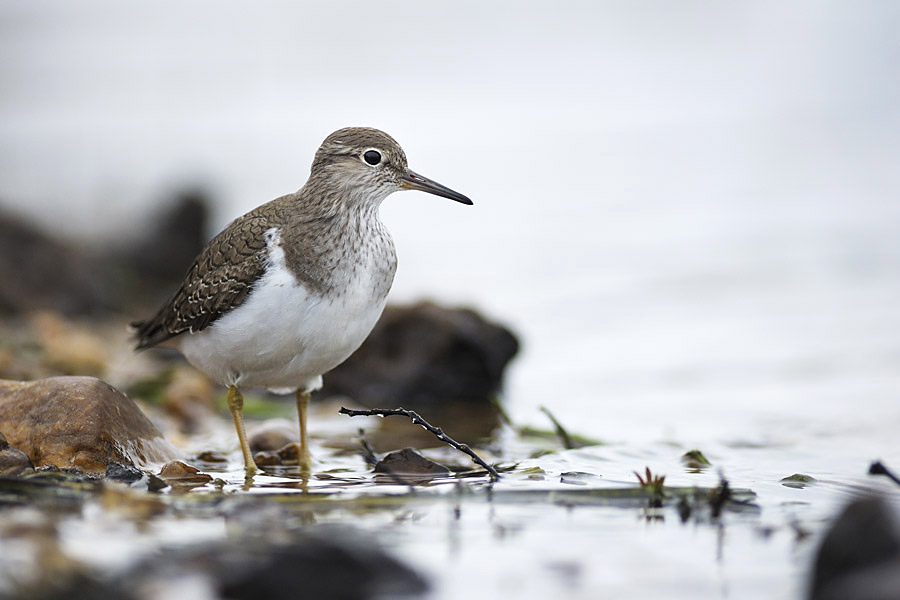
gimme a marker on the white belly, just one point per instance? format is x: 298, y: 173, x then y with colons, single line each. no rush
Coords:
x: 283, y: 337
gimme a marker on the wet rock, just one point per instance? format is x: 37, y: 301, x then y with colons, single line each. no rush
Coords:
x: 695, y: 461
x: 423, y: 355
x: 859, y: 557
x: 288, y: 454
x: 798, y: 481
x: 124, y: 473
x: 79, y: 422
x: 155, y: 484
x: 180, y: 474
x: 212, y: 456
x: 410, y: 462
x: 13, y: 462
x: 267, y: 458
x: 579, y: 478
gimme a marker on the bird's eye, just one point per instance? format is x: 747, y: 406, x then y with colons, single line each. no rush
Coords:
x: 372, y: 157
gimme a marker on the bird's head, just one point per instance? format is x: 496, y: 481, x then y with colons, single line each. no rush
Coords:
x: 367, y: 165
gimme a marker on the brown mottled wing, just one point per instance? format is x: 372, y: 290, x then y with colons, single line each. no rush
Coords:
x: 219, y: 280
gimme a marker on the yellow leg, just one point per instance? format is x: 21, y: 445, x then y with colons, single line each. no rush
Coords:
x: 304, y: 457
x: 236, y: 406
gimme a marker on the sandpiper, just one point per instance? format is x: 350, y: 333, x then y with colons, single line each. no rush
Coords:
x: 289, y: 290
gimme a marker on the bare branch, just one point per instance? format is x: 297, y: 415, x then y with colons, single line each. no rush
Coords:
x: 418, y: 420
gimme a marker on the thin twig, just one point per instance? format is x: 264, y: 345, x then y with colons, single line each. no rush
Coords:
x: 878, y: 468
x: 417, y: 420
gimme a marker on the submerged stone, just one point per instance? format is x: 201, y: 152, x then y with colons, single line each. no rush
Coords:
x: 410, y: 462
x: 578, y: 478
x: 694, y: 460
x: 798, y: 481
x: 79, y: 422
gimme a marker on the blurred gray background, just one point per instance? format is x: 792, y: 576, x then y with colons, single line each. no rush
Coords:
x: 682, y: 208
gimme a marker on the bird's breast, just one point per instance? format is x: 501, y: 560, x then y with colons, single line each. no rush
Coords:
x: 287, y: 332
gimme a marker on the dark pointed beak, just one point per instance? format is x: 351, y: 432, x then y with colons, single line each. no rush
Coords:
x: 414, y: 181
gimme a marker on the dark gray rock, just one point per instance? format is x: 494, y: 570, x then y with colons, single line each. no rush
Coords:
x: 859, y: 557
x: 410, y: 462
x: 424, y: 355
x: 39, y: 272
x: 326, y: 563
x: 124, y: 473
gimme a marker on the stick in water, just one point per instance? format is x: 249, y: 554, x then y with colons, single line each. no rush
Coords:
x: 417, y: 420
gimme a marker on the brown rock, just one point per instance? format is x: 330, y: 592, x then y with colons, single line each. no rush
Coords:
x: 13, y: 462
x: 425, y: 355
x: 212, y: 456
x: 289, y: 454
x: 272, y: 435
x: 178, y: 473
x: 267, y: 458
x: 78, y: 422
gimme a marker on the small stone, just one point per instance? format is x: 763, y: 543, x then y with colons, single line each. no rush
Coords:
x: 289, y: 453
x: 273, y: 435
x: 179, y: 473
x: 118, y: 472
x: 286, y: 455
x: 410, y: 462
x: 13, y: 462
x: 798, y: 481
x: 79, y: 422
x: 578, y: 478
x: 155, y: 484
x: 267, y: 458
x: 694, y: 460
x: 212, y: 456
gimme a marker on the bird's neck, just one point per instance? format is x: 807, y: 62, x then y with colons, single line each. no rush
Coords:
x: 331, y: 233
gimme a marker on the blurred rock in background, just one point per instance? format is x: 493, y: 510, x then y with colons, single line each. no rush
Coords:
x: 425, y: 355
x: 38, y: 271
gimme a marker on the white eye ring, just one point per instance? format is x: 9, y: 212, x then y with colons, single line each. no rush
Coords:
x: 371, y: 157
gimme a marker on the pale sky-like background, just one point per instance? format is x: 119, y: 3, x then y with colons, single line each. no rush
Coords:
x: 678, y: 206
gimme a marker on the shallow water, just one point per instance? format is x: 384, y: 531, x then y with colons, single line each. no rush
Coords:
x: 696, y: 235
